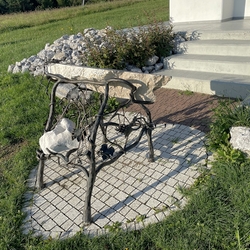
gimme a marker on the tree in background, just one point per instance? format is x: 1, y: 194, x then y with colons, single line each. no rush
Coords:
x: 3, y: 7
x: 11, y: 6
x: 63, y: 3
x: 15, y: 5
x: 46, y: 4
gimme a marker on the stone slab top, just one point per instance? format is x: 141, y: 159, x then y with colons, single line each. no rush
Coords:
x: 145, y: 83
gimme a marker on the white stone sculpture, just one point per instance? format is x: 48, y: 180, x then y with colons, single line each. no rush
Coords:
x: 60, y: 138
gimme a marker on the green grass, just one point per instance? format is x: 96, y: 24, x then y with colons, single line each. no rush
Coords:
x: 186, y: 92
x: 23, y: 35
x: 218, y: 212
x: 23, y: 111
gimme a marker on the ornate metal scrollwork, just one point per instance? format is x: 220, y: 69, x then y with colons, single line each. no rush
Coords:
x: 86, y: 114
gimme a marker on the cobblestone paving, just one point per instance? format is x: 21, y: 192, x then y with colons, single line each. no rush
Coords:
x: 131, y: 191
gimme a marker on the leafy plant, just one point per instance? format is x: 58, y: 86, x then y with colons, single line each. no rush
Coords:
x: 175, y: 140
x: 114, y: 228
x: 202, y: 178
x: 113, y: 104
x: 133, y: 46
x: 161, y: 38
x: 160, y: 209
x: 140, y: 218
x: 138, y: 47
x: 228, y: 154
x: 108, y: 54
x: 229, y: 113
x: 186, y: 92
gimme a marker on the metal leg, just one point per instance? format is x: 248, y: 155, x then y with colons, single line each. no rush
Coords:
x: 40, y: 170
x: 87, y: 219
x: 90, y: 185
x: 150, y: 145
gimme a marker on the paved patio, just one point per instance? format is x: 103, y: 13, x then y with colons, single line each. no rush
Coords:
x: 132, y: 191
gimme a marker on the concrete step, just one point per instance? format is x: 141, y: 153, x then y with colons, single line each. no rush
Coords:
x: 220, y: 35
x: 227, y: 85
x: 215, y: 61
x: 216, y: 47
x: 209, y: 63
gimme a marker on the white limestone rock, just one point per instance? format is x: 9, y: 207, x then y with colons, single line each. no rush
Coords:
x: 148, y: 68
x: 158, y: 66
x: 60, y: 56
x: 59, y: 139
x: 10, y: 68
x: 152, y: 61
x: 16, y: 69
x: 240, y: 138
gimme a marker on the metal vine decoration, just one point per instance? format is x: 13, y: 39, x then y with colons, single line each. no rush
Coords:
x: 70, y: 134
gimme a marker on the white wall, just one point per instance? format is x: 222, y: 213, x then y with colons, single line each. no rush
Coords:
x: 208, y: 10
x: 247, y: 9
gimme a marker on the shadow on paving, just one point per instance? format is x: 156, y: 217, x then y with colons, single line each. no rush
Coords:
x: 123, y: 190
x: 180, y: 107
x: 188, y: 148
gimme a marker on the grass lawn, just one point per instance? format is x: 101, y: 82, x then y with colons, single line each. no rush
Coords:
x: 22, y: 35
x: 218, y: 213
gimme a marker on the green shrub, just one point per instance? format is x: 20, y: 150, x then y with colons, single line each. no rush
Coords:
x: 228, y: 154
x: 161, y: 38
x: 133, y: 47
x: 229, y: 113
x: 109, y: 55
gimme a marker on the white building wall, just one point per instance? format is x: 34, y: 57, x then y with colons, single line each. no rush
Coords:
x: 208, y: 10
x: 247, y: 9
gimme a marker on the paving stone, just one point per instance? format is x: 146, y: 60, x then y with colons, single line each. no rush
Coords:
x: 60, y: 219
x: 48, y: 208
x: 121, y: 195
x: 66, y: 195
x: 142, y: 209
x: 67, y: 209
x: 128, y: 188
x: 61, y: 204
x: 67, y: 225
x: 98, y: 204
x: 111, y: 201
x: 40, y: 200
x: 49, y: 225
x: 181, y: 177
x: 102, y: 222
x: 131, y: 215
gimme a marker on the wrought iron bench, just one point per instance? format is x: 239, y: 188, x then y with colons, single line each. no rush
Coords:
x: 70, y: 134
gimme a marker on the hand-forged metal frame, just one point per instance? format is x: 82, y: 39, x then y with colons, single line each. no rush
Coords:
x: 143, y: 123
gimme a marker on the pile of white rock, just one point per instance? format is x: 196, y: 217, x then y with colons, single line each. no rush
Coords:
x: 70, y: 49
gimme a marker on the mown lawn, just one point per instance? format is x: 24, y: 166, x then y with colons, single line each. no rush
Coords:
x: 22, y: 35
